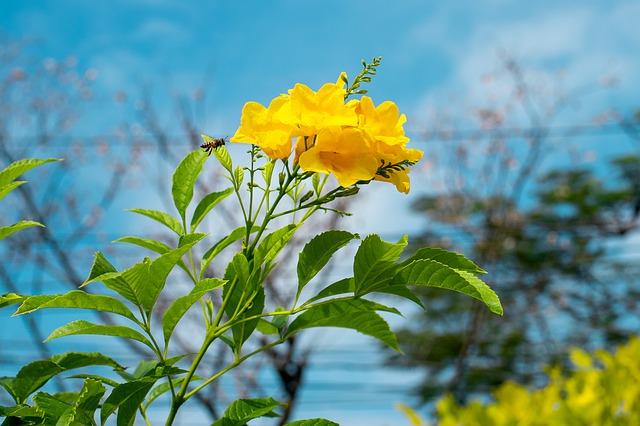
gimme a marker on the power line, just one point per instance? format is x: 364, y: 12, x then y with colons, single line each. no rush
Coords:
x: 580, y: 130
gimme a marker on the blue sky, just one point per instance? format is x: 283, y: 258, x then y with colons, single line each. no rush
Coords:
x: 253, y: 50
x: 433, y: 51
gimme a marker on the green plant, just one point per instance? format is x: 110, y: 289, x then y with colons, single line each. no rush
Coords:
x: 354, y: 141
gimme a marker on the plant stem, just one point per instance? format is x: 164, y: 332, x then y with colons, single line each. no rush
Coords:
x: 231, y: 367
x: 179, y: 398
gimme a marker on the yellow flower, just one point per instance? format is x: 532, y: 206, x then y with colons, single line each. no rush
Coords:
x: 383, y: 123
x: 355, y: 141
x: 343, y: 152
x: 259, y: 127
x: 396, y: 154
x: 312, y: 111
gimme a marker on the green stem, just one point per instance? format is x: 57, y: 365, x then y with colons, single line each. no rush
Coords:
x: 216, y: 330
x: 225, y: 301
x: 179, y: 398
x: 231, y: 367
x: 251, y: 179
x: 270, y: 213
x: 240, y: 360
x: 144, y: 416
x: 309, y: 205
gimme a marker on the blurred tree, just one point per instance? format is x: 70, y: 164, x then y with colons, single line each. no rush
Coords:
x: 544, y: 234
x: 40, y: 105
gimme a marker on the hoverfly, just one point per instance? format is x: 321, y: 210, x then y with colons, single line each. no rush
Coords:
x: 210, y: 144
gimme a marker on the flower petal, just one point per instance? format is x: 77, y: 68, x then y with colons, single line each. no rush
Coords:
x: 343, y: 152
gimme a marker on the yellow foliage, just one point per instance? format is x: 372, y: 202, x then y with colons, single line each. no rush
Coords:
x: 604, y: 390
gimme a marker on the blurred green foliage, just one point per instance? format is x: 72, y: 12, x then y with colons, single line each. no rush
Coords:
x: 551, y: 258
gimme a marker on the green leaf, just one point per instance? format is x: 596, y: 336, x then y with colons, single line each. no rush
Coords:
x: 10, y: 299
x: 184, y: 178
x: 33, y: 376
x: 272, y: 244
x: 84, y: 327
x: 5, y: 231
x: 243, y: 330
x: 206, y: 204
x: 279, y: 321
x: 76, y: 299
x: 83, y: 409
x: 29, y: 379
x: 51, y: 407
x: 221, y: 154
x: 238, y: 175
x: 9, y: 384
x: 402, y: 291
x: 163, y: 388
x: 265, y: 327
x: 225, y: 242
x: 160, y: 268
x: 345, y: 285
x: 151, y: 368
x: 126, y: 398
x: 449, y: 258
x: 17, y: 168
x: 244, y: 410
x: 153, y: 245
x: 374, y: 263
x: 101, y: 268
x: 238, y: 269
x: 434, y: 274
x: 164, y: 218
x: 71, y: 360
x: 21, y: 415
x: 275, y: 326
x: 68, y: 397
x: 246, y: 299
x: 312, y: 422
x: 356, y: 314
x: 101, y: 379
x: 123, y: 282
x: 267, y: 172
x: 224, y: 421
x: 175, y: 359
x: 142, y: 283
x: 317, y: 252
x: 182, y: 304
x: 4, y: 190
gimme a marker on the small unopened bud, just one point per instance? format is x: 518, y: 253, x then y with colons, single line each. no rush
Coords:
x: 347, y: 192
x: 210, y: 308
x: 281, y: 178
x: 306, y: 197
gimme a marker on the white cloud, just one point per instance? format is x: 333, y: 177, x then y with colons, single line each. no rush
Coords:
x: 161, y: 29
x: 585, y: 41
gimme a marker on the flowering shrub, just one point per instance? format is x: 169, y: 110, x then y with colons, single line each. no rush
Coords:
x: 296, y: 144
x: 603, y: 390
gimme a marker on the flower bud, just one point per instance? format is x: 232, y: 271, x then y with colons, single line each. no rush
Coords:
x: 306, y: 197
x: 347, y: 192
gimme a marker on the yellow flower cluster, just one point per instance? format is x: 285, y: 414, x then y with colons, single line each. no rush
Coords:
x: 355, y: 141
